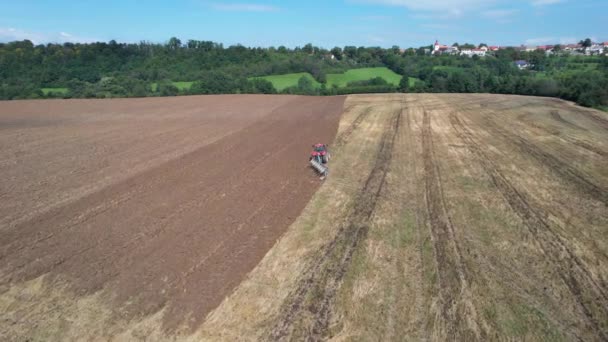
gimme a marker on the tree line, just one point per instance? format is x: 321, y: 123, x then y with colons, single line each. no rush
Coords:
x: 112, y: 69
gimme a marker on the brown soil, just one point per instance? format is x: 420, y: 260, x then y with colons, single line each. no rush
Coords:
x: 161, y: 203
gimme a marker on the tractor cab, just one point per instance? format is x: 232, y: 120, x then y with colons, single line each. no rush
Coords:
x: 320, y: 153
x: 320, y: 148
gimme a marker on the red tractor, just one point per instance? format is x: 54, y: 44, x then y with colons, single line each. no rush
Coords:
x: 320, y: 153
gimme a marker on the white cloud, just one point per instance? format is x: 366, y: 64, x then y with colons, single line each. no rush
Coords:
x: 245, y: 7
x: 568, y: 40
x: 12, y: 34
x: 501, y: 16
x: 545, y: 2
x: 554, y: 40
x: 449, y: 9
x: 499, y: 13
x: 437, y: 26
x: 445, y: 15
x: 453, y: 6
x: 375, y: 39
x: 374, y: 17
x: 439, y: 5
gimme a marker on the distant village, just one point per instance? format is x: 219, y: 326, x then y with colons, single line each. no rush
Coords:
x: 483, y: 50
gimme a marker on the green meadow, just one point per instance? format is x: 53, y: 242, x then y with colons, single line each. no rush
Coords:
x: 364, y: 74
x: 281, y: 82
x: 46, y: 91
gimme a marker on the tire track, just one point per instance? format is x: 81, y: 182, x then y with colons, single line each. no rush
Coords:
x: 566, y: 137
x: 557, y: 117
x: 591, y: 297
x: 343, y: 137
x: 588, y: 113
x: 452, y: 277
x: 309, y: 307
x: 568, y: 173
x: 410, y: 197
x: 587, y: 146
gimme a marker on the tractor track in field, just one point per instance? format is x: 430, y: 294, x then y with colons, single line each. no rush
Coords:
x: 452, y: 274
x: 564, y: 170
x: 566, y: 137
x: 571, y: 269
x: 315, y: 293
x: 405, y: 141
x: 554, y: 113
x: 587, y: 146
x: 343, y: 137
x: 593, y: 116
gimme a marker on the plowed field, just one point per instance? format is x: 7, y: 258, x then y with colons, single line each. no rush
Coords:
x: 145, y: 204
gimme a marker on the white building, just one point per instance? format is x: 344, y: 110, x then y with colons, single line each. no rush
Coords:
x: 452, y: 50
x: 595, y: 49
x: 571, y: 47
x: 439, y: 49
x: 521, y: 64
x: 473, y: 52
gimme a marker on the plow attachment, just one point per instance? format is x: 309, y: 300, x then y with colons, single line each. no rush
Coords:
x: 320, y: 168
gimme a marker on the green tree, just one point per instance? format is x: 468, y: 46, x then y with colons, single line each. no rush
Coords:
x: 350, y: 52
x: 404, y: 84
x: 308, y: 48
x: 305, y: 86
x: 174, y: 43
x: 410, y: 52
x: 167, y: 89
x: 337, y: 52
x: 586, y: 43
x: 262, y: 86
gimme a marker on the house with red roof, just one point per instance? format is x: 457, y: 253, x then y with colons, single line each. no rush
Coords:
x: 439, y: 49
x: 572, y: 47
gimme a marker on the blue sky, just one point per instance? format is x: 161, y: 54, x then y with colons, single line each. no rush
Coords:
x: 294, y: 23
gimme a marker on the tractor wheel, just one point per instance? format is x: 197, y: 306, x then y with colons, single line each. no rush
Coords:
x: 325, y: 158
